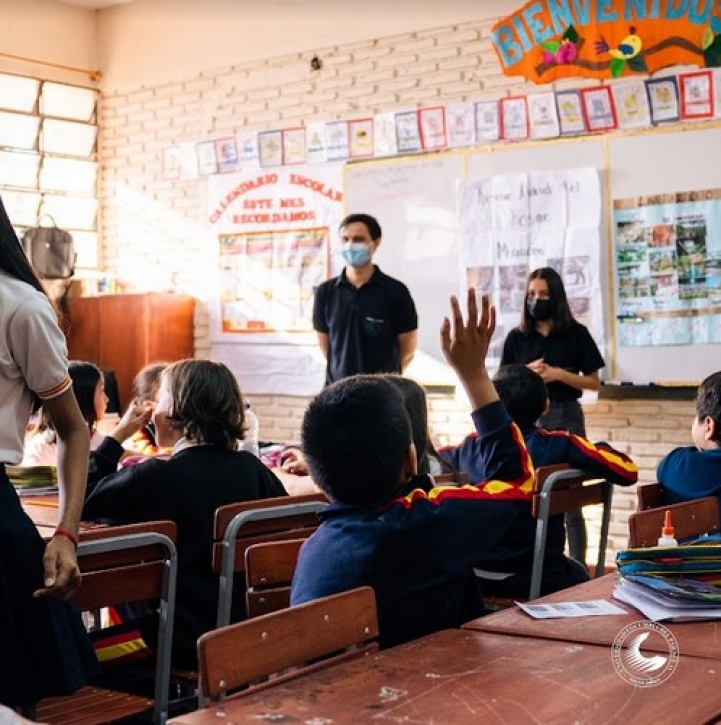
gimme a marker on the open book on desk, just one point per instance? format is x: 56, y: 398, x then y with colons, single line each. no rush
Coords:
x: 670, y: 600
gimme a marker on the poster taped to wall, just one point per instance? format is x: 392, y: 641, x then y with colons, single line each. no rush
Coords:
x: 510, y: 225
x: 668, y: 268
x: 274, y: 230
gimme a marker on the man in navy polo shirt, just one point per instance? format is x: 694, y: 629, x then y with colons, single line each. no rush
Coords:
x: 366, y: 321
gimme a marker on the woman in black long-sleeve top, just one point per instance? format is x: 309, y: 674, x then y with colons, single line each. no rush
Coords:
x: 200, y: 415
x: 561, y: 350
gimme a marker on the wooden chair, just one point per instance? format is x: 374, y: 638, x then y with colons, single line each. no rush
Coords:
x: 458, y: 479
x: 690, y: 518
x: 649, y: 496
x: 335, y: 628
x: 269, y: 572
x: 123, y: 565
x: 558, y: 489
x: 238, y: 526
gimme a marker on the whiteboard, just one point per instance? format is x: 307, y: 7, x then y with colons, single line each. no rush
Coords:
x: 413, y: 199
x: 655, y: 163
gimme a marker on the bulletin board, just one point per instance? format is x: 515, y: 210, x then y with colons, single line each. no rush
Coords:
x: 414, y: 199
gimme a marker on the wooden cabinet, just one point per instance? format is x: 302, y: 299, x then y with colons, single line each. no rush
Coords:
x: 123, y: 333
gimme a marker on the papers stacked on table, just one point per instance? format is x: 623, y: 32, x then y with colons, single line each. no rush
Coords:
x: 33, y: 480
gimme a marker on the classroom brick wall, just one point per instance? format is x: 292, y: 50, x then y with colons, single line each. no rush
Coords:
x: 154, y: 236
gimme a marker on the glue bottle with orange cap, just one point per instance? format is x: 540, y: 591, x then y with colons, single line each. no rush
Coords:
x: 668, y: 533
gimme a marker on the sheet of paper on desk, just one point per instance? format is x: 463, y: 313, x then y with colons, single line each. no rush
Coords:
x: 594, y: 608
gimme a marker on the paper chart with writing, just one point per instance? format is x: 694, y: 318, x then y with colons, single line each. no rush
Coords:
x: 510, y: 225
x: 667, y: 250
x: 560, y: 610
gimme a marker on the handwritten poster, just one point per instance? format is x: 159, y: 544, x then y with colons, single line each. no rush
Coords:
x: 274, y: 231
x: 510, y: 225
x: 668, y: 268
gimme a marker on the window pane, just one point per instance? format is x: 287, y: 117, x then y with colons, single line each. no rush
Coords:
x: 19, y: 169
x: 86, y: 249
x: 22, y: 207
x: 71, y: 212
x: 18, y: 131
x: 67, y: 137
x: 64, y: 101
x: 18, y: 93
x: 68, y: 175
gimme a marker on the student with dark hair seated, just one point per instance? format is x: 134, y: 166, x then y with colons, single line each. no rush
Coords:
x: 692, y: 472
x: 200, y: 415
x: 505, y: 571
x: 416, y: 549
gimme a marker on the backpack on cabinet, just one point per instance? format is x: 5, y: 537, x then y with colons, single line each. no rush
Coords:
x: 51, y: 250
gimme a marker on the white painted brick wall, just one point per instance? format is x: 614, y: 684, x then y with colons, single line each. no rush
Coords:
x: 154, y: 231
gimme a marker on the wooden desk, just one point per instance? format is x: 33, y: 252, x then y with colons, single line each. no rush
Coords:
x: 459, y: 677
x: 43, y: 510
x: 698, y: 639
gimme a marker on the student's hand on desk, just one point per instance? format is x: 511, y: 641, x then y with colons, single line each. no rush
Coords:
x: 134, y: 418
x: 294, y: 462
x: 62, y: 574
x: 465, y: 344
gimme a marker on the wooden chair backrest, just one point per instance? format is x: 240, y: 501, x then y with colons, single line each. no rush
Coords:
x: 269, y: 569
x: 122, y: 576
x: 336, y: 628
x: 690, y: 518
x: 460, y: 478
x: 569, y: 492
x: 649, y: 496
x: 121, y: 565
x: 256, y: 532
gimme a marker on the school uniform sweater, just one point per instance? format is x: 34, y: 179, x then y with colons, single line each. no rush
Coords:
x: 186, y: 488
x: 686, y: 474
x: 417, y: 551
x: 514, y: 551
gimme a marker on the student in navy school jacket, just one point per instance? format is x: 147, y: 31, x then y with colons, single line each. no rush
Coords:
x: 694, y: 471
x: 416, y: 549
x: 525, y: 397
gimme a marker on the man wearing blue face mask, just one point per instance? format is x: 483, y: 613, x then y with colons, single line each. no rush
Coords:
x: 366, y: 321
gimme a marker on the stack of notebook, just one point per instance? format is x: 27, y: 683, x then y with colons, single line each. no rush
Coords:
x: 33, y: 480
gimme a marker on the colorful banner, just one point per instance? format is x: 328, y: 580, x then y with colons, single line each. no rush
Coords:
x: 668, y: 268
x: 550, y: 39
x: 511, y: 225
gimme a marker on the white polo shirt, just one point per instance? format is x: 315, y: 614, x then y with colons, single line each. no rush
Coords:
x: 33, y: 359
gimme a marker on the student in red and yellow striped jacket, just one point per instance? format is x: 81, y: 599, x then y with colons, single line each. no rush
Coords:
x: 415, y: 548
x: 505, y: 571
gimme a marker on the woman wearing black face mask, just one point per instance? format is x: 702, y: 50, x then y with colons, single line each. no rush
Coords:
x: 561, y: 350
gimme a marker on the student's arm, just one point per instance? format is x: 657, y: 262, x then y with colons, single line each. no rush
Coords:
x: 509, y: 473
x: 60, y: 561
x: 124, y: 494
x: 407, y: 343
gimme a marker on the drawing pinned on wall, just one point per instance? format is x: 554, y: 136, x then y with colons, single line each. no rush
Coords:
x: 570, y: 113
x: 315, y: 151
x: 361, y: 138
x: 599, y: 109
x: 514, y: 118
x: 461, y: 125
x: 668, y: 268
x: 543, y: 115
x: 432, y: 124
x: 294, y: 146
x: 408, y: 132
x: 337, y: 140
x: 632, y: 105
x: 384, y: 134
x: 247, y: 146
x: 270, y: 149
x: 697, y: 100
x: 207, y: 160
x: 226, y: 151
x: 663, y: 98
x: 488, y: 121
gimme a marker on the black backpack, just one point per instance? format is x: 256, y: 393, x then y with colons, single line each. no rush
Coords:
x: 51, y: 251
